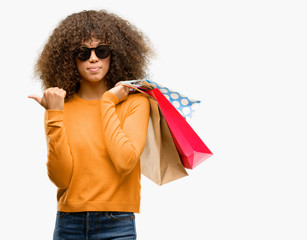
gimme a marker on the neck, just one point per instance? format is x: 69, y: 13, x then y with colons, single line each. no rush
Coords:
x: 92, y: 90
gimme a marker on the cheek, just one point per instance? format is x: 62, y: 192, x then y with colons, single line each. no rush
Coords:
x: 107, y: 64
x: 80, y: 66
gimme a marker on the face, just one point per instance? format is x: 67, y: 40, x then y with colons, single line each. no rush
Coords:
x: 93, y: 69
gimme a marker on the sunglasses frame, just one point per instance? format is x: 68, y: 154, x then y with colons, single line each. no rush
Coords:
x: 89, y: 50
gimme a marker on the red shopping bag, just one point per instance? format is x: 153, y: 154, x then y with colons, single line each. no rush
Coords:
x: 190, y: 147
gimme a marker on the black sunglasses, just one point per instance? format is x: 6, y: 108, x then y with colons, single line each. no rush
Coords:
x: 101, y: 51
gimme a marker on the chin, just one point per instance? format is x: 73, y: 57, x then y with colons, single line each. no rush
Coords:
x: 94, y: 80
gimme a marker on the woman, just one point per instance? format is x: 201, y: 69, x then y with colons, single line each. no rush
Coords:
x: 95, y: 130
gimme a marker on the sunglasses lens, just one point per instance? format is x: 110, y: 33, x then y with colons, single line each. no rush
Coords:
x: 83, y: 53
x: 102, y: 51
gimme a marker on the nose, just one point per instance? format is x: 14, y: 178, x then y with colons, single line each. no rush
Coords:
x: 93, y: 57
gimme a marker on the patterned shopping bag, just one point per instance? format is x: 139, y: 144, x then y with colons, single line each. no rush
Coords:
x: 175, y: 107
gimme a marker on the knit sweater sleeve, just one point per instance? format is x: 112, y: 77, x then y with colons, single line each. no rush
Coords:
x: 59, y: 159
x: 125, y: 141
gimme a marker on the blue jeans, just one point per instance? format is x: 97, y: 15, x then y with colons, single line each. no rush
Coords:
x: 95, y: 226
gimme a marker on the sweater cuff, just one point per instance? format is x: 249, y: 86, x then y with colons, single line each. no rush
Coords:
x: 109, y: 97
x: 55, y: 115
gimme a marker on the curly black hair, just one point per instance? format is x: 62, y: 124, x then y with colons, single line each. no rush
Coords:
x: 130, y: 50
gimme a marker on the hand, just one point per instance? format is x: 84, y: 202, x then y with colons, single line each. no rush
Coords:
x: 120, y: 91
x: 53, y: 98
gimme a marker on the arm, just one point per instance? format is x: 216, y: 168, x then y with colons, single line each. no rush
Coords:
x: 124, y: 144
x: 59, y: 163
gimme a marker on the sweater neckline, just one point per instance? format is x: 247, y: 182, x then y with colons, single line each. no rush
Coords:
x: 79, y: 99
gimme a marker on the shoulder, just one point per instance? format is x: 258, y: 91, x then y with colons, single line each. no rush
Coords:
x: 136, y: 100
x: 137, y: 97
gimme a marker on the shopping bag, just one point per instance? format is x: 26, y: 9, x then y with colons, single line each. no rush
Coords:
x: 160, y: 161
x: 191, y: 148
x: 185, y: 106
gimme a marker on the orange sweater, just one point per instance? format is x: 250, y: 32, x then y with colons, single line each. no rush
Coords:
x: 94, y: 148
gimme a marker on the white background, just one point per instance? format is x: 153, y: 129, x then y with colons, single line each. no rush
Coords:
x: 245, y: 60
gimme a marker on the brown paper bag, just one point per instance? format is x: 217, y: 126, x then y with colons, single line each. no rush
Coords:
x: 160, y: 161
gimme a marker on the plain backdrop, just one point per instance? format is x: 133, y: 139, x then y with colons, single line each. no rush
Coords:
x: 245, y: 60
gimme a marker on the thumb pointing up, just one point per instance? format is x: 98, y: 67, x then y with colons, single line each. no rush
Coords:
x: 53, y: 98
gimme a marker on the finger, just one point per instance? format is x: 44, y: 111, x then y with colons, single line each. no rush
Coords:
x: 127, y: 89
x: 63, y: 94
x: 61, y: 91
x: 53, y: 88
x: 122, y: 88
x: 51, y: 91
x: 47, y: 91
x: 118, y: 83
x: 36, y: 98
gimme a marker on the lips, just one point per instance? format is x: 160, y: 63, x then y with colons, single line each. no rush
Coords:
x: 94, y: 69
